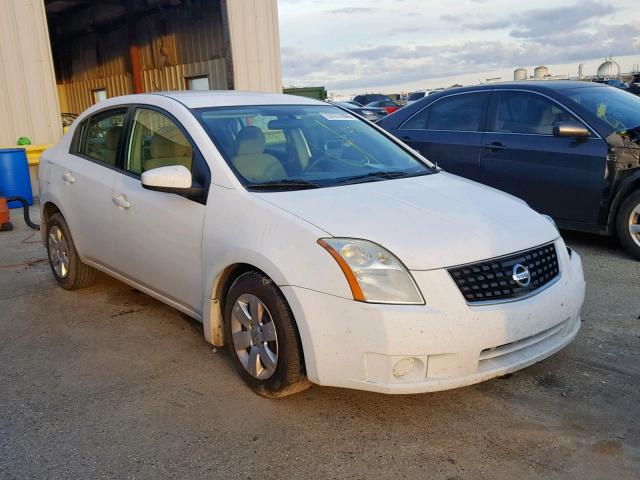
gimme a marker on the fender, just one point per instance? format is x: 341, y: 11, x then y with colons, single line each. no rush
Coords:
x: 46, y: 199
x: 212, y: 315
x: 629, y: 184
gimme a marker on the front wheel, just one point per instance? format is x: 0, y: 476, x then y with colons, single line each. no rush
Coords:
x: 628, y: 224
x: 262, y: 337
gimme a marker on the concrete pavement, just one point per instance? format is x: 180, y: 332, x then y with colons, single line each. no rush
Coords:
x: 109, y: 383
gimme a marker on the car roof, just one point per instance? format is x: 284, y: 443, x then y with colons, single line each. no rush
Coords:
x: 535, y: 85
x: 553, y: 88
x: 231, y: 98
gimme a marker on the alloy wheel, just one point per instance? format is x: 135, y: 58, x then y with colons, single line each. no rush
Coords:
x: 58, y: 251
x: 254, y: 336
x: 634, y: 224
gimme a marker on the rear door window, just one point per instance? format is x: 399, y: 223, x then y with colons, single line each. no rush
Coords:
x: 101, y: 134
x: 462, y: 112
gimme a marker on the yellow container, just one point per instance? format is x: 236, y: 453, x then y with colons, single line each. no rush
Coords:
x: 34, y: 152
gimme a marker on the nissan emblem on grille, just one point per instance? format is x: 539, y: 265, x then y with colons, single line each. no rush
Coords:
x: 521, y: 275
x: 508, y: 277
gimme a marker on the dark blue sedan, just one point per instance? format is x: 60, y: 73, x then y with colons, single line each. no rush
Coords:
x: 569, y: 149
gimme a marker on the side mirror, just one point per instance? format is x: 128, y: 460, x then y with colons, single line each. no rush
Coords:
x: 570, y: 129
x: 171, y: 179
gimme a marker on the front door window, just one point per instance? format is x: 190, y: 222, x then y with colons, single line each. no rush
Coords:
x: 523, y: 112
x: 155, y: 142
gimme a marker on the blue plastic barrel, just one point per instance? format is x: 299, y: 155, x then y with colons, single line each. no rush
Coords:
x: 14, y: 175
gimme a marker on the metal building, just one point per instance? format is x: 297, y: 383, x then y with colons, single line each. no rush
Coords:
x: 59, y: 56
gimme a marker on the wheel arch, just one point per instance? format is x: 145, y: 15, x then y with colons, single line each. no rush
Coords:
x: 48, y: 209
x: 216, y: 292
x: 628, y: 186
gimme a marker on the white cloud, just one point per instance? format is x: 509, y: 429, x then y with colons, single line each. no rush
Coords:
x: 351, y: 45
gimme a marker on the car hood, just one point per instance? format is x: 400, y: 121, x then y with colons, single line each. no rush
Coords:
x: 428, y: 222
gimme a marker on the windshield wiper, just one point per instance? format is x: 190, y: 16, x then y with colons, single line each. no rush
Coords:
x: 388, y: 175
x: 287, y: 184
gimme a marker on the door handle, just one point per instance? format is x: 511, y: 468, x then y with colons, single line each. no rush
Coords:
x: 121, y: 201
x: 67, y: 177
x: 494, y: 146
x: 406, y: 137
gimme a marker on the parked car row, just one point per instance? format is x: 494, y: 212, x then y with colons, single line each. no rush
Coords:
x: 632, y: 86
x: 419, y: 95
x: 371, y: 101
x: 372, y: 114
x: 366, y: 99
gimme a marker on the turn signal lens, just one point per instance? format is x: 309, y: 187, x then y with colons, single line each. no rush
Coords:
x: 373, y: 273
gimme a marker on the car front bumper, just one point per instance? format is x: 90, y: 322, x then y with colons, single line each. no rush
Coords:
x: 441, y: 345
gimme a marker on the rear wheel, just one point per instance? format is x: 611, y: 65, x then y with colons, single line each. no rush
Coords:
x: 262, y: 337
x: 628, y: 224
x: 67, y: 268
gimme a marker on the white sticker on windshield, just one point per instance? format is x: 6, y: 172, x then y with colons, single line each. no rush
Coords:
x: 338, y: 116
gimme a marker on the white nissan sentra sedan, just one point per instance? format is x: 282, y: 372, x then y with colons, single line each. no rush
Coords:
x: 312, y: 244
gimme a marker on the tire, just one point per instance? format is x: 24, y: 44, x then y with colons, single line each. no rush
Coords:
x: 72, y: 274
x: 254, y: 333
x: 628, y: 218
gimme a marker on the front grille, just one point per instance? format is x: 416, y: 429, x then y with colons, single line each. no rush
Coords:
x: 493, y: 280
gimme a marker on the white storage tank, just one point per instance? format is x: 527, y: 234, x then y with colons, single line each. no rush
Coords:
x: 609, y: 69
x: 541, y: 72
x: 520, y: 74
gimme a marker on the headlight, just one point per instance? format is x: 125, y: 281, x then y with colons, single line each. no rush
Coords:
x: 374, y: 274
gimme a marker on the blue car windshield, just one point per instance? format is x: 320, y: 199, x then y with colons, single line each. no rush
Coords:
x: 297, y: 146
x: 616, y: 107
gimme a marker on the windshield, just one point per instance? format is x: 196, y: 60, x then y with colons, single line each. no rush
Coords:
x: 294, y: 147
x: 416, y: 96
x: 618, y: 108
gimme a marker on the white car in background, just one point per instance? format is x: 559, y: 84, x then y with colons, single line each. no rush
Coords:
x: 310, y: 242
x: 420, y: 94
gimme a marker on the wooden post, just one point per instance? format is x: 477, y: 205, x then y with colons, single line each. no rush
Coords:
x: 134, y: 58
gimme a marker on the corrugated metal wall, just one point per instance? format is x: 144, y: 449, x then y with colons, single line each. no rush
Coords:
x: 28, y: 100
x: 174, y: 78
x: 181, y: 36
x: 178, y: 43
x: 81, y: 60
x: 173, y: 45
x: 255, y: 44
x: 79, y: 95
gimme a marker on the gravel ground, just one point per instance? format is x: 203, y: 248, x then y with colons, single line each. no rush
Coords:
x: 109, y: 383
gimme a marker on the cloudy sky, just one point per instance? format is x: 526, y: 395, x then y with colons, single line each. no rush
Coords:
x: 392, y: 45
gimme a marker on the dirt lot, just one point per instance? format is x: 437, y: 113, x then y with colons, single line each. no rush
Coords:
x: 109, y: 383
